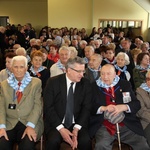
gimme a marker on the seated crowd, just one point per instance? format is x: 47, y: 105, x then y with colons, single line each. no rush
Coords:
x: 74, y: 88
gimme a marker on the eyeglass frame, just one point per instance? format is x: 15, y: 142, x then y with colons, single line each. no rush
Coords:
x: 78, y: 71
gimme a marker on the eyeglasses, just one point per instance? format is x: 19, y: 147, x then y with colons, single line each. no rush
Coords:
x: 78, y: 71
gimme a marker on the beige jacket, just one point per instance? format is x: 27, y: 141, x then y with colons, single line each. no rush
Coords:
x: 3, y: 75
x: 28, y: 110
x: 144, y: 113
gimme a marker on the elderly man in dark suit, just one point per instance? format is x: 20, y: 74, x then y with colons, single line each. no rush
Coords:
x: 114, y: 99
x: 61, y: 93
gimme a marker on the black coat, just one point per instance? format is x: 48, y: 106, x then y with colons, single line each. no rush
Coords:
x: 130, y: 120
x: 21, y: 39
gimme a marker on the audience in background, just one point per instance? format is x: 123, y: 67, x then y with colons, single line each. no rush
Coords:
x: 134, y: 54
x: 88, y: 51
x: 122, y: 60
x: 5, y: 73
x: 46, y: 62
x: 109, y: 55
x: 37, y: 69
x: 53, y: 53
x: 92, y: 72
x: 140, y: 70
x: 52, y: 48
x: 59, y: 66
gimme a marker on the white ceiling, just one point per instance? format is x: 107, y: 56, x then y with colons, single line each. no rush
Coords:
x: 145, y: 4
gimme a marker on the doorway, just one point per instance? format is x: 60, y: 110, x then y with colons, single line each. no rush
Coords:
x: 4, y: 21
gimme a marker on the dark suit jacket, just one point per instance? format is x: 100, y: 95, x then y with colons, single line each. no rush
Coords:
x: 55, y: 98
x: 130, y: 120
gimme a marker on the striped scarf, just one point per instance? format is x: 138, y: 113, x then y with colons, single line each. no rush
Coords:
x: 41, y: 68
x: 12, y: 81
x: 110, y: 62
x: 141, y: 68
x: 86, y: 60
x: 95, y: 72
x: 100, y: 83
x: 124, y: 70
x: 145, y: 87
x: 60, y: 66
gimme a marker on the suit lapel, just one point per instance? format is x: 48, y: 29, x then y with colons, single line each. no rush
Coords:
x: 77, y: 90
x: 63, y: 88
x: 118, y: 92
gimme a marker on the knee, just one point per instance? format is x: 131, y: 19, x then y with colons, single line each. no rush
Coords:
x: 26, y: 144
x: 4, y: 144
x: 52, y: 143
x: 101, y: 144
x: 85, y: 143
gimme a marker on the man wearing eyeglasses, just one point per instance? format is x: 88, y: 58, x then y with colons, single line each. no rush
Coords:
x: 69, y: 90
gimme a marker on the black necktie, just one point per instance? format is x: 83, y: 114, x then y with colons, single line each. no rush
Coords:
x: 69, y: 107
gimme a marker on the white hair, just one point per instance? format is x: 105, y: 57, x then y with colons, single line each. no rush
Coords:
x: 126, y: 57
x: 90, y: 47
x: 19, y: 58
x: 73, y: 51
x: 83, y: 42
x: 64, y: 48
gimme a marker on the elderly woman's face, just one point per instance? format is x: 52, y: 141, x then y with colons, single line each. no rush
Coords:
x: 37, y: 61
x: 19, y: 69
x: 120, y: 61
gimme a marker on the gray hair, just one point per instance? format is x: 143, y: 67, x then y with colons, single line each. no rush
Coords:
x: 126, y: 57
x: 91, y: 48
x: 19, y: 58
x: 73, y: 51
x: 83, y: 42
x: 21, y: 51
x: 64, y: 48
x: 98, y: 56
x: 72, y: 61
x: 32, y: 40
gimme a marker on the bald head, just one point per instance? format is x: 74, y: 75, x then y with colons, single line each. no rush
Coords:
x: 108, y: 74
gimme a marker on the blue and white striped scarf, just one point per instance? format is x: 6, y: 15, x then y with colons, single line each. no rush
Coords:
x: 100, y: 83
x: 95, y: 72
x: 41, y: 68
x: 12, y: 81
x: 86, y: 60
x: 141, y: 68
x: 122, y: 70
x: 110, y: 62
x: 128, y: 76
x: 145, y: 87
x: 60, y: 65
